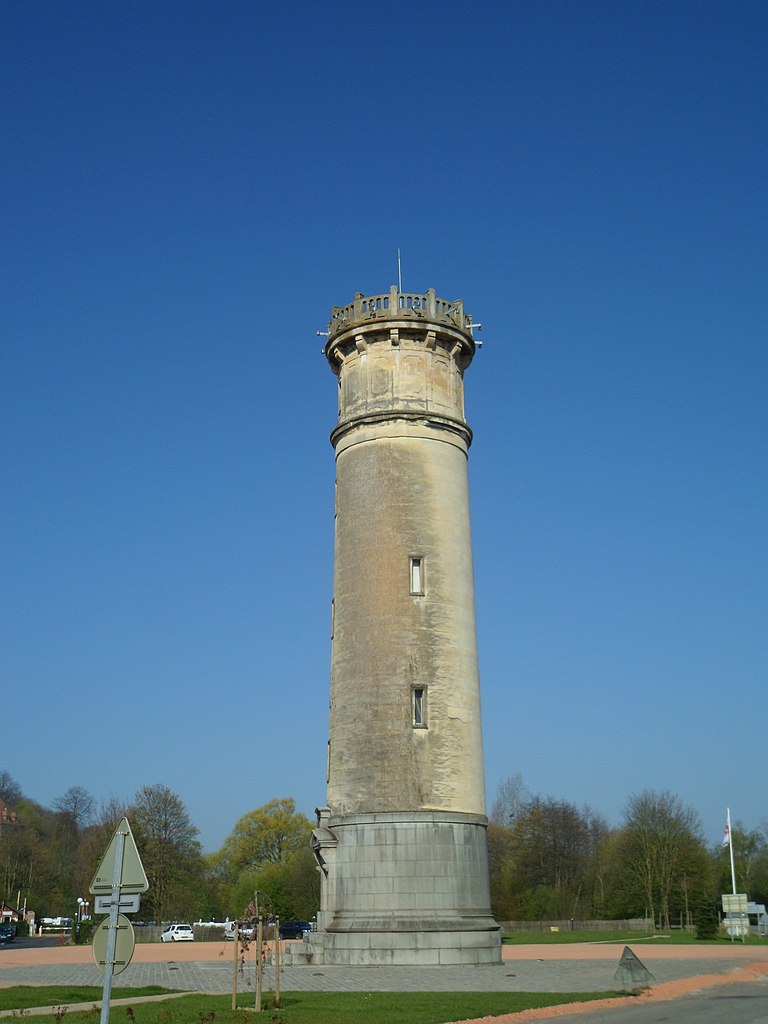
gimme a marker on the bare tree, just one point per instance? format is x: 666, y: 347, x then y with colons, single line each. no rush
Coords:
x: 552, y: 853
x: 10, y: 790
x: 77, y: 805
x: 111, y: 813
x: 661, y: 845
x: 94, y: 838
x: 545, y: 855
x: 168, y: 847
x: 73, y: 812
x: 512, y: 797
x: 599, y: 837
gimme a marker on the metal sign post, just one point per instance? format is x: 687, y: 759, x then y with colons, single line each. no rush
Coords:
x: 736, y: 914
x: 114, y: 911
x: 119, y: 873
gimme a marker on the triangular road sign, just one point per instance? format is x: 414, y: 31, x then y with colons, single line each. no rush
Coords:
x: 632, y: 972
x: 132, y: 875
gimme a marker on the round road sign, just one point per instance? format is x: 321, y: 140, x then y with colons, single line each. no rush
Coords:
x: 124, y: 944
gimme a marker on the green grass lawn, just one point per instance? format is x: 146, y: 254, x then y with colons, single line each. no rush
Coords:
x: 673, y: 938
x: 296, y: 1008
x: 19, y: 997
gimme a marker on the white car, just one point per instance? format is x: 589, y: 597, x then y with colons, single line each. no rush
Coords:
x: 178, y: 933
x: 247, y: 929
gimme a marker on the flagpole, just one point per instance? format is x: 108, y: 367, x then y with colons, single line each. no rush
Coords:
x: 730, y: 847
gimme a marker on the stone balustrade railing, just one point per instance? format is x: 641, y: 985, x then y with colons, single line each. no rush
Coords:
x: 395, y: 305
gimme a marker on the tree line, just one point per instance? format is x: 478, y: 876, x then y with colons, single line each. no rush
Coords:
x: 548, y: 858
x: 48, y: 856
x: 551, y: 860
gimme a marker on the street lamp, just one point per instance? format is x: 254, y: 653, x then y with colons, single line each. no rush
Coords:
x: 80, y: 904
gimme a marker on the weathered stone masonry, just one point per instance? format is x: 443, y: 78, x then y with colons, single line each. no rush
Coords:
x: 402, y: 842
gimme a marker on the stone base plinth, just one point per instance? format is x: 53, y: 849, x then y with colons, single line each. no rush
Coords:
x: 406, y: 889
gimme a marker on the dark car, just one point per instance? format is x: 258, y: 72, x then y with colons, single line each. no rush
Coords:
x: 294, y: 929
x: 7, y: 932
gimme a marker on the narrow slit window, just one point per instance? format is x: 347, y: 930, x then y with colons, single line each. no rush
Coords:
x: 419, y: 707
x: 417, y: 575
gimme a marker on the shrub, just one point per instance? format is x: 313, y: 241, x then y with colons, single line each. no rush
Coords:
x: 705, y: 916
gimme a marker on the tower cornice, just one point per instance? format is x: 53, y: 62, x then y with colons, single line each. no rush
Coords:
x: 424, y: 317
x: 455, y: 430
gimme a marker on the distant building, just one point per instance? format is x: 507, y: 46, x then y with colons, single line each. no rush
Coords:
x: 9, y: 913
x: 7, y: 816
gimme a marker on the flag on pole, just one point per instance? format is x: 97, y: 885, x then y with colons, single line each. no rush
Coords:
x: 728, y: 841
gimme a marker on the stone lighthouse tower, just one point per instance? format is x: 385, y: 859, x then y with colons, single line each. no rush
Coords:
x: 402, y: 844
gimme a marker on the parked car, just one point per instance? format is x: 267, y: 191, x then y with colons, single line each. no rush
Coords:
x: 177, y: 933
x: 7, y: 932
x: 294, y: 929
x: 245, y: 929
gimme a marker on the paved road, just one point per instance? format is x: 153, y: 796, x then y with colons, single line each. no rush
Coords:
x: 730, y: 1004
x: 216, y: 976
x: 207, y: 967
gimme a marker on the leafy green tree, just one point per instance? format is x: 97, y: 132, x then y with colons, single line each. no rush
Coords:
x: 292, y: 885
x: 500, y: 869
x: 705, y: 918
x: 750, y: 862
x: 545, y: 856
x: 262, y: 853
x: 760, y: 870
x: 552, y: 853
x: 300, y: 886
x: 267, y: 835
x: 27, y: 860
x: 16, y: 861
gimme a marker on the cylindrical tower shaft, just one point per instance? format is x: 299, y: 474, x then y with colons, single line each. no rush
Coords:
x: 405, y: 718
x: 405, y: 766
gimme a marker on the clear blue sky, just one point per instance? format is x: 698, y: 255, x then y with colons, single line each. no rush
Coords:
x: 188, y: 187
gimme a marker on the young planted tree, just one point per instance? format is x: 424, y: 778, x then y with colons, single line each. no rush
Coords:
x: 705, y: 918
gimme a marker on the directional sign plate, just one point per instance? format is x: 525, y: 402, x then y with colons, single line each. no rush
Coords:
x: 129, y: 903
x: 124, y: 944
x: 132, y: 876
x: 735, y: 903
